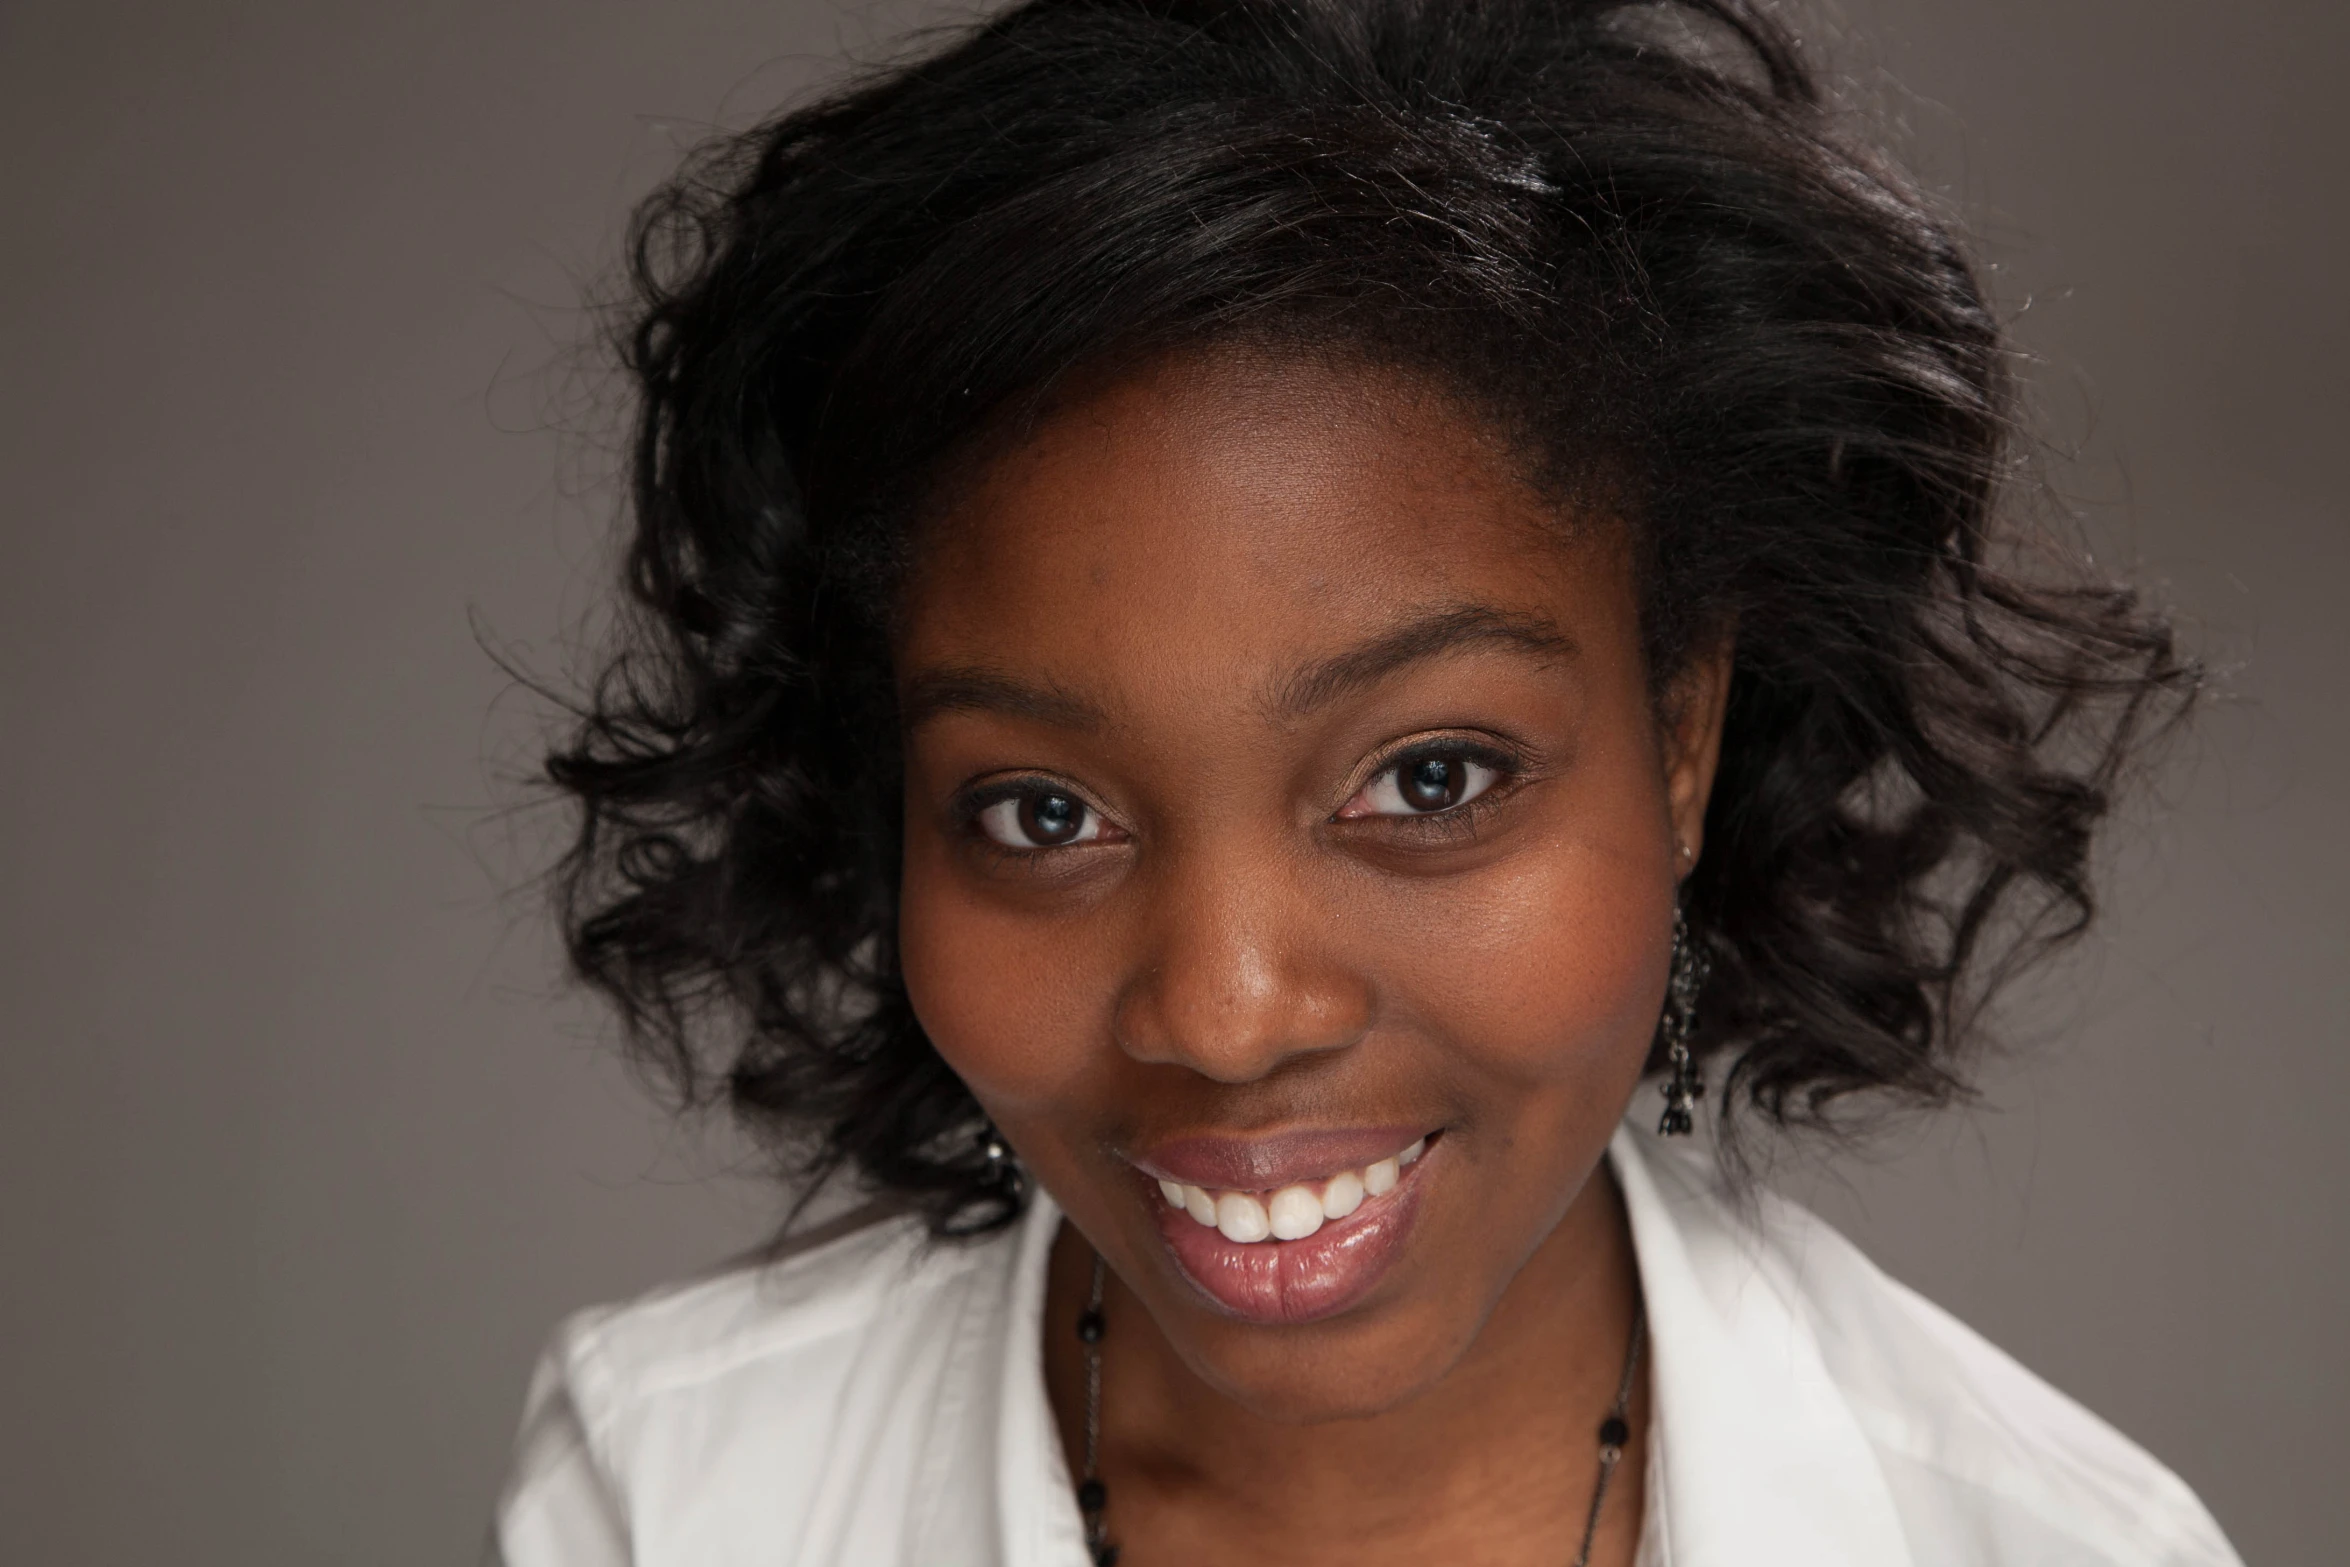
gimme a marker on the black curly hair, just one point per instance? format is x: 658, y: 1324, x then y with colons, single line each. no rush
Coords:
x: 1630, y: 232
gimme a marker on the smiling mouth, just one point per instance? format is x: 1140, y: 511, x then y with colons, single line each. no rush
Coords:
x: 1292, y: 1212
x: 1289, y: 1229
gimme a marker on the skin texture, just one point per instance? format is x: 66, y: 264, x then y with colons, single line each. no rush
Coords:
x: 1210, y: 600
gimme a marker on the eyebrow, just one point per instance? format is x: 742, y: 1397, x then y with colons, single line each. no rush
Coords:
x: 1425, y: 635
x: 977, y: 689
x: 972, y: 689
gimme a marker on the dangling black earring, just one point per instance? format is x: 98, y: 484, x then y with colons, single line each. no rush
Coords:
x: 1683, y: 1087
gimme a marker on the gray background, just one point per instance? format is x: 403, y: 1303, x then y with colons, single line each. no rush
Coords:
x: 302, y: 1149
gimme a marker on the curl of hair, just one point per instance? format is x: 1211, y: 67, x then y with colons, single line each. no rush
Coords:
x: 1628, y: 230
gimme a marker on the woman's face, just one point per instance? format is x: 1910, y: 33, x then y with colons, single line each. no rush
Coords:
x: 1285, y: 799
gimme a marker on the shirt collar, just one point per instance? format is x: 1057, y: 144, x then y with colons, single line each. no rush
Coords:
x: 1037, y: 1519
x: 1756, y: 1458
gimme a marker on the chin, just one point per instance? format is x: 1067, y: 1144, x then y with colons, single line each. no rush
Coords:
x: 1329, y: 1371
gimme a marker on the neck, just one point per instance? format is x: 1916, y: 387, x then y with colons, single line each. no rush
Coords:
x: 1502, y: 1449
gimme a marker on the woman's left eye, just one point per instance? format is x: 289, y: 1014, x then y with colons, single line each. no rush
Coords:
x: 1423, y: 785
x: 1043, y: 819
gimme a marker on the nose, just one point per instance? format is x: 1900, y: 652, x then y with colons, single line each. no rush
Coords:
x: 1243, y: 970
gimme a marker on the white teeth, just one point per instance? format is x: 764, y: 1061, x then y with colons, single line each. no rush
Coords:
x: 1296, y: 1213
x: 1343, y: 1195
x: 1242, y: 1218
x: 1293, y: 1212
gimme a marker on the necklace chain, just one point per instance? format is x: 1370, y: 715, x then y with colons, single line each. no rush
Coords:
x: 1093, y: 1497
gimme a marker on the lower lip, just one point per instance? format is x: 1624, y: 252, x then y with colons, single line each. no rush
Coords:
x: 1301, y: 1280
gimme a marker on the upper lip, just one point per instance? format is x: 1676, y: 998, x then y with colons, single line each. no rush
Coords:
x: 1273, y: 1159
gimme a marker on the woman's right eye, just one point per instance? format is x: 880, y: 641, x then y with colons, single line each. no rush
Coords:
x: 1041, y: 819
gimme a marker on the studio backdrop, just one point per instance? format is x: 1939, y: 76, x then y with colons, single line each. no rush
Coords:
x: 304, y: 1145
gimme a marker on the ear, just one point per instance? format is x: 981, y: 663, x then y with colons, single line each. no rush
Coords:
x: 1694, y: 706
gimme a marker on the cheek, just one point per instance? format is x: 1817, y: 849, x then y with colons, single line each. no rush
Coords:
x: 1005, y: 1000
x: 1547, y: 973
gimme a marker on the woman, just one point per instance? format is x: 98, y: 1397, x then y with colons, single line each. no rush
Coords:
x: 1250, y: 613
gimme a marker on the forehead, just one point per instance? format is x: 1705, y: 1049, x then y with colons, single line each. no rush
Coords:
x: 1227, y: 509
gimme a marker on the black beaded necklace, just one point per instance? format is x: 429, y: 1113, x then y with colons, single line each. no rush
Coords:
x: 1093, y: 1497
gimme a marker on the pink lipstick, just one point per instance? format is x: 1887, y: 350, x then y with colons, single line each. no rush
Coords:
x: 1292, y: 1227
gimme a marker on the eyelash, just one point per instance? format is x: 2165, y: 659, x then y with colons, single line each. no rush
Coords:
x: 970, y: 807
x: 1508, y: 767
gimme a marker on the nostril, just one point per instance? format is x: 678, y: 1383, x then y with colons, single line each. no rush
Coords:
x: 1239, y: 1032
x: 1229, y: 1044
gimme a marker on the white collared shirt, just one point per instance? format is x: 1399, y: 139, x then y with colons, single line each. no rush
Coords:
x: 881, y: 1400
